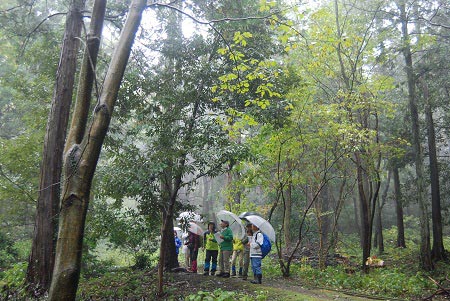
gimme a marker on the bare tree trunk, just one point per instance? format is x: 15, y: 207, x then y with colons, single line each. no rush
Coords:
x: 42, y: 258
x: 399, y: 209
x: 80, y: 164
x: 438, y: 250
x: 287, y: 216
x: 357, y: 213
x: 425, y: 248
x: 364, y: 214
x: 167, y: 259
x: 323, y: 222
x: 378, y: 237
x: 205, y: 198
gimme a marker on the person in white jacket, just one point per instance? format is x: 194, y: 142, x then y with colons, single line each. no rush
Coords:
x: 256, y: 254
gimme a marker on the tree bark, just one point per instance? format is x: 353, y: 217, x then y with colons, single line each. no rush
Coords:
x: 80, y: 164
x: 205, y: 198
x: 42, y: 257
x: 378, y: 237
x: 401, y: 243
x: 357, y: 213
x: 287, y: 216
x: 425, y: 248
x: 364, y: 213
x: 437, y: 250
x: 323, y: 224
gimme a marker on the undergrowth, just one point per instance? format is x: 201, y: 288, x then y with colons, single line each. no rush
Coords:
x: 220, y: 295
x: 401, y: 277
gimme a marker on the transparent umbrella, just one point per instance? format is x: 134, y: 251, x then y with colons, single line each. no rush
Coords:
x: 195, y: 228
x: 263, y: 225
x: 235, y: 222
x: 247, y: 213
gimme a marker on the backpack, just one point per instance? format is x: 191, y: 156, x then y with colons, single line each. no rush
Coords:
x: 266, y: 245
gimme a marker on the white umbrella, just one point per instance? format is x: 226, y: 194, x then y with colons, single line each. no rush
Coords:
x: 235, y: 222
x: 189, y: 216
x: 263, y: 225
x: 243, y: 215
x: 195, y: 228
x: 179, y: 231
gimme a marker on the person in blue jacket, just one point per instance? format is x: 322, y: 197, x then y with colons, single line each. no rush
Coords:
x: 177, y: 242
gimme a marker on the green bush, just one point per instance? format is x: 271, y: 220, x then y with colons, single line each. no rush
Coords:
x: 8, y: 254
x: 142, y: 261
x: 12, y: 282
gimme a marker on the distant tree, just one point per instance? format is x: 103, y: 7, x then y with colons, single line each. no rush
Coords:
x: 401, y: 243
x: 425, y: 247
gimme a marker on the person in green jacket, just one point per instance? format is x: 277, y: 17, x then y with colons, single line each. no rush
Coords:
x: 212, y: 250
x: 226, y: 248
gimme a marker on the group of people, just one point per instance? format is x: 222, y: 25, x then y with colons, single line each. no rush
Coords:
x: 221, y: 246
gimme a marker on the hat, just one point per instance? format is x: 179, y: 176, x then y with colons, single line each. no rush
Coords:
x: 225, y: 222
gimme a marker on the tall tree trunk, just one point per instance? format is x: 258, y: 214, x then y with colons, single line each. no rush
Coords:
x: 205, y: 198
x: 80, y: 164
x: 167, y: 252
x: 287, y: 216
x: 364, y: 214
x: 425, y: 248
x: 401, y: 243
x: 378, y: 237
x: 323, y: 222
x: 437, y: 251
x: 42, y: 258
x: 357, y: 213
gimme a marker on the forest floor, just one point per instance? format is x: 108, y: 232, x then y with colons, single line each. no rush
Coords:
x: 272, y: 288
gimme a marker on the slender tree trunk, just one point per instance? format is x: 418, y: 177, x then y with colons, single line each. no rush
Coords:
x: 364, y: 214
x: 42, y: 258
x: 378, y: 237
x: 205, y: 198
x: 323, y: 223
x: 437, y: 251
x: 425, y: 248
x: 401, y: 243
x: 338, y: 206
x: 80, y: 164
x: 357, y: 213
x: 287, y: 216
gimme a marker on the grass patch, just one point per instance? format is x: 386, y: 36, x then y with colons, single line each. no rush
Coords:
x: 123, y: 284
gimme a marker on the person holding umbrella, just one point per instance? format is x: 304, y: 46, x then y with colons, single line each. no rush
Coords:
x: 226, y: 248
x: 193, y: 244
x: 212, y: 249
x: 256, y: 254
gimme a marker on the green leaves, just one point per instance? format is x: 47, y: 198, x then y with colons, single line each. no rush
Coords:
x: 251, y: 78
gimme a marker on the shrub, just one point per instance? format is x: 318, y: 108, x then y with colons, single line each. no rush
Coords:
x: 8, y: 254
x: 12, y: 282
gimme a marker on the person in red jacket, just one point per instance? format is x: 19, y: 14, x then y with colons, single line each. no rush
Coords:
x: 193, y: 244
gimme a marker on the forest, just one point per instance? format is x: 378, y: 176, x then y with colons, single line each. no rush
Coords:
x: 327, y: 118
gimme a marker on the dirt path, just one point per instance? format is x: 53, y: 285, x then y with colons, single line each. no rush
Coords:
x: 274, y: 289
